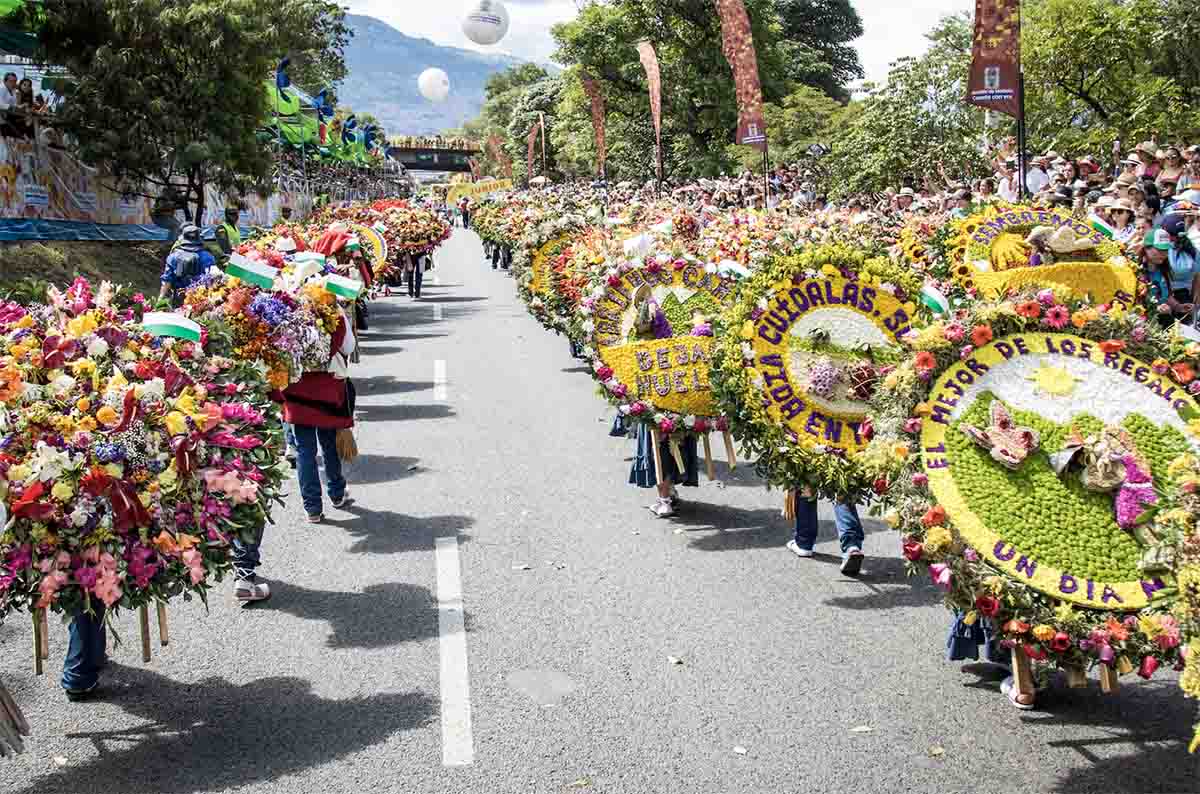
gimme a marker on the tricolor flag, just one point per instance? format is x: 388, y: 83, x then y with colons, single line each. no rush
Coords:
x: 309, y: 256
x: 1102, y: 227
x: 171, y: 324
x: 250, y: 271
x: 932, y: 297
x: 343, y: 287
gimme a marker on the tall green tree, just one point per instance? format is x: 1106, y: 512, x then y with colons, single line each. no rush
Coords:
x: 539, y: 98
x: 818, y: 36
x: 170, y: 94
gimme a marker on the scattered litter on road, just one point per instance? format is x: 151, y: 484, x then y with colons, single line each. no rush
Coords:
x: 937, y: 751
x: 677, y: 532
x: 720, y: 485
x: 674, y: 660
x: 739, y: 750
x: 60, y: 760
x: 635, y: 532
x: 522, y: 567
x: 414, y: 467
x: 861, y: 729
x: 583, y: 782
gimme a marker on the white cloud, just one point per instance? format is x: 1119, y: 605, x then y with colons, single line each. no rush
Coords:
x: 893, y: 30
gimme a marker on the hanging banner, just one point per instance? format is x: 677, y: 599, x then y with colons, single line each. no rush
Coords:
x: 477, y: 189
x: 996, y: 57
x: 737, y: 42
x: 496, y: 149
x: 532, y: 140
x: 592, y: 88
x: 654, y: 78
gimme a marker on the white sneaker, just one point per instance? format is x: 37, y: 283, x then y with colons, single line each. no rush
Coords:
x: 662, y: 508
x: 250, y: 590
x: 852, y: 562
x: 794, y: 548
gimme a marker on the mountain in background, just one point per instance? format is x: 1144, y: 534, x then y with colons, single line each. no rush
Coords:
x: 383, y: 66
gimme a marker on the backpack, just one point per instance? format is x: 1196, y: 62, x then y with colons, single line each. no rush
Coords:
x: 186, y: 265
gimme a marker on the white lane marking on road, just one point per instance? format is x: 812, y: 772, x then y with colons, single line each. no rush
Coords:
x: 439, y: 379
x: 437, y: 312
x: 437, y: 281
x: 458, y: 747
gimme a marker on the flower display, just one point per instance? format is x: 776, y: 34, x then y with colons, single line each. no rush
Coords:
x: 128, y: 462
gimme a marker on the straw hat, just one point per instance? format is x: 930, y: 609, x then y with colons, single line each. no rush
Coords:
x: 1122, y: 204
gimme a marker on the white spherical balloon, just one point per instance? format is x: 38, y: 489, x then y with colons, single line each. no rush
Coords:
x: 487, y: 22
x: 434, y: 85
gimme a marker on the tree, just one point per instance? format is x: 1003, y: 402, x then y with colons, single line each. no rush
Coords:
x: 539, y: 98
x: 171, y: 94
x: 802, y: 118
x: 916, y: 124
x: 818, y: 34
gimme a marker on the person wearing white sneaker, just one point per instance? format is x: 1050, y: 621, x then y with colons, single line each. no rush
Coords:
x: 644, y: 475
x: 246, y: 559
x: 849, y: 529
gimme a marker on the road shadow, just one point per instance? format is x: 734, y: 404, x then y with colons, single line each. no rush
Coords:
x: 886, y: 585
x: 452, y: 299
x: 737, y: 529
x: 1152, y: 719
x: 402, y: 412
x: 580, y: 368
x: 214, y: 735
x: 380, y: 350
x: 388, y: 532
x: 367, y: 469
x: 371, y: 338
x: 381, y: 616
x: 387, y: 384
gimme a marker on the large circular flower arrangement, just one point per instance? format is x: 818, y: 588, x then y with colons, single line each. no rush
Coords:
x: 1008, y: 246
x: 532, y: 262
x: 1024, y: 445
x: 805, y: 345
x: 128, y: 462
x: 647, y: 329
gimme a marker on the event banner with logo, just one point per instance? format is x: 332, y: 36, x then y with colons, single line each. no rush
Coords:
x: 596, y: 95
x: 532, y: 140
x: 996, y: 57
x: 737, y: 42
x: 654, y: 78
x: 496, y: 148
x: 477, y: 189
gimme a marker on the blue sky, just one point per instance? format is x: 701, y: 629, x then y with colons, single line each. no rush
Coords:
x: 893, y: 29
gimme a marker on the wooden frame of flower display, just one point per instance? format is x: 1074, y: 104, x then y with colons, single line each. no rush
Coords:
x: 803, y: 348
x: 1020, y: 525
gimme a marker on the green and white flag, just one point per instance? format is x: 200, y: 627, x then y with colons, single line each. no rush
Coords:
x: 343, y: 287
x: 257, y: 273
x: 171, y: 324
x: 309, y: 256
x: 1102, y: 227
x: 932, y: 297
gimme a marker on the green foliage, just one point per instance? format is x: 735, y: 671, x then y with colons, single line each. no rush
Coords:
x: 540, y: 97
x: 171, y: 93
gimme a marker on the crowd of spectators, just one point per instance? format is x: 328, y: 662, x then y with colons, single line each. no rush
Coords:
x: 341, y: 181
x: 434, y: 142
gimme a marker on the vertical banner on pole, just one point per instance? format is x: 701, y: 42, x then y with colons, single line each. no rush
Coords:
x: 995, y: 77
x: 496, y: 147
x: 654, y: 78
x: 542, y: 126
x: 592, y: 88
x: 737, y: 42
x: 532, y: 141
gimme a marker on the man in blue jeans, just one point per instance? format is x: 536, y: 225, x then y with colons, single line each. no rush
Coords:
x: 85, y: 653
x: 307, y: 439
x: 849, y: 528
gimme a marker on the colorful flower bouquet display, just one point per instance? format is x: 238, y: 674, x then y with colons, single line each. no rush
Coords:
x: 647, y: 328
x: 533, y: 263
x: 1023, y: 447
x: 288, y: 332
x: 807, y: 342
x: 128, y: 462
x: 1006, y: 246
x: 414, y: 230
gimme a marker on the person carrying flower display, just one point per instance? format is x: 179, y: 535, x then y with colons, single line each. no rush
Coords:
x: 186, y: 263
x: 317, y: 407
x: 849, y: 529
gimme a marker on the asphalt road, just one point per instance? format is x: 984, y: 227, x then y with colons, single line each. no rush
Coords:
x: 575, y: 598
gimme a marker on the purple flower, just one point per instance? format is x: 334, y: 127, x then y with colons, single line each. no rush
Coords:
x: 970, y: 555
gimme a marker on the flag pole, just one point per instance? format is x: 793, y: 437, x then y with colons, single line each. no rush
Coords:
x: 1022, y: 155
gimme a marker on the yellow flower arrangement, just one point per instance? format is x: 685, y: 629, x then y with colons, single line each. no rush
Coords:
x: 938, y: 540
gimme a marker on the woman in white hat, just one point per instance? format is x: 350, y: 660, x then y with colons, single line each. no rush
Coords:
x: 1121, y: 221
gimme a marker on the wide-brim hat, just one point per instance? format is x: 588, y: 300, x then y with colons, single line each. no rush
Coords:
x: 1122, y: 204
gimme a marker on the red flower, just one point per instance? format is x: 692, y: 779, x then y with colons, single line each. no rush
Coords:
x: 604, y: 373
x: 1060, y: 642
x: 880, y: 486
x: 1183, y: 372
x: 1030, y: 309
x: 614, y: 281
x: 934, y: 517
x: 1035, y: 652
x: 1016, y: 627
x: 1149, y: 665
x: 913, y: 550
x: 981, y: 335
x: 701, y: 426
x: 867, y: 429
x: 28, y: 506
x: 925, y: 361
x: 987, y: 605
x: 96, y: 481
x: 1112, y: 346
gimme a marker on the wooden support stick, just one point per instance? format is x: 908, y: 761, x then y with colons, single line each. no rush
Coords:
x: 708, y: 459
x: 164, y: 636
x: 1076, y: 678
x: 44, y: 644
x: 658, y: 467
x: 1109, y: 681
x: 677, y: 454
x: 144, y: 626
x: 729, y: 454
x: 1022, y: 672
x: 789, y: 506
x: 37, y: 643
